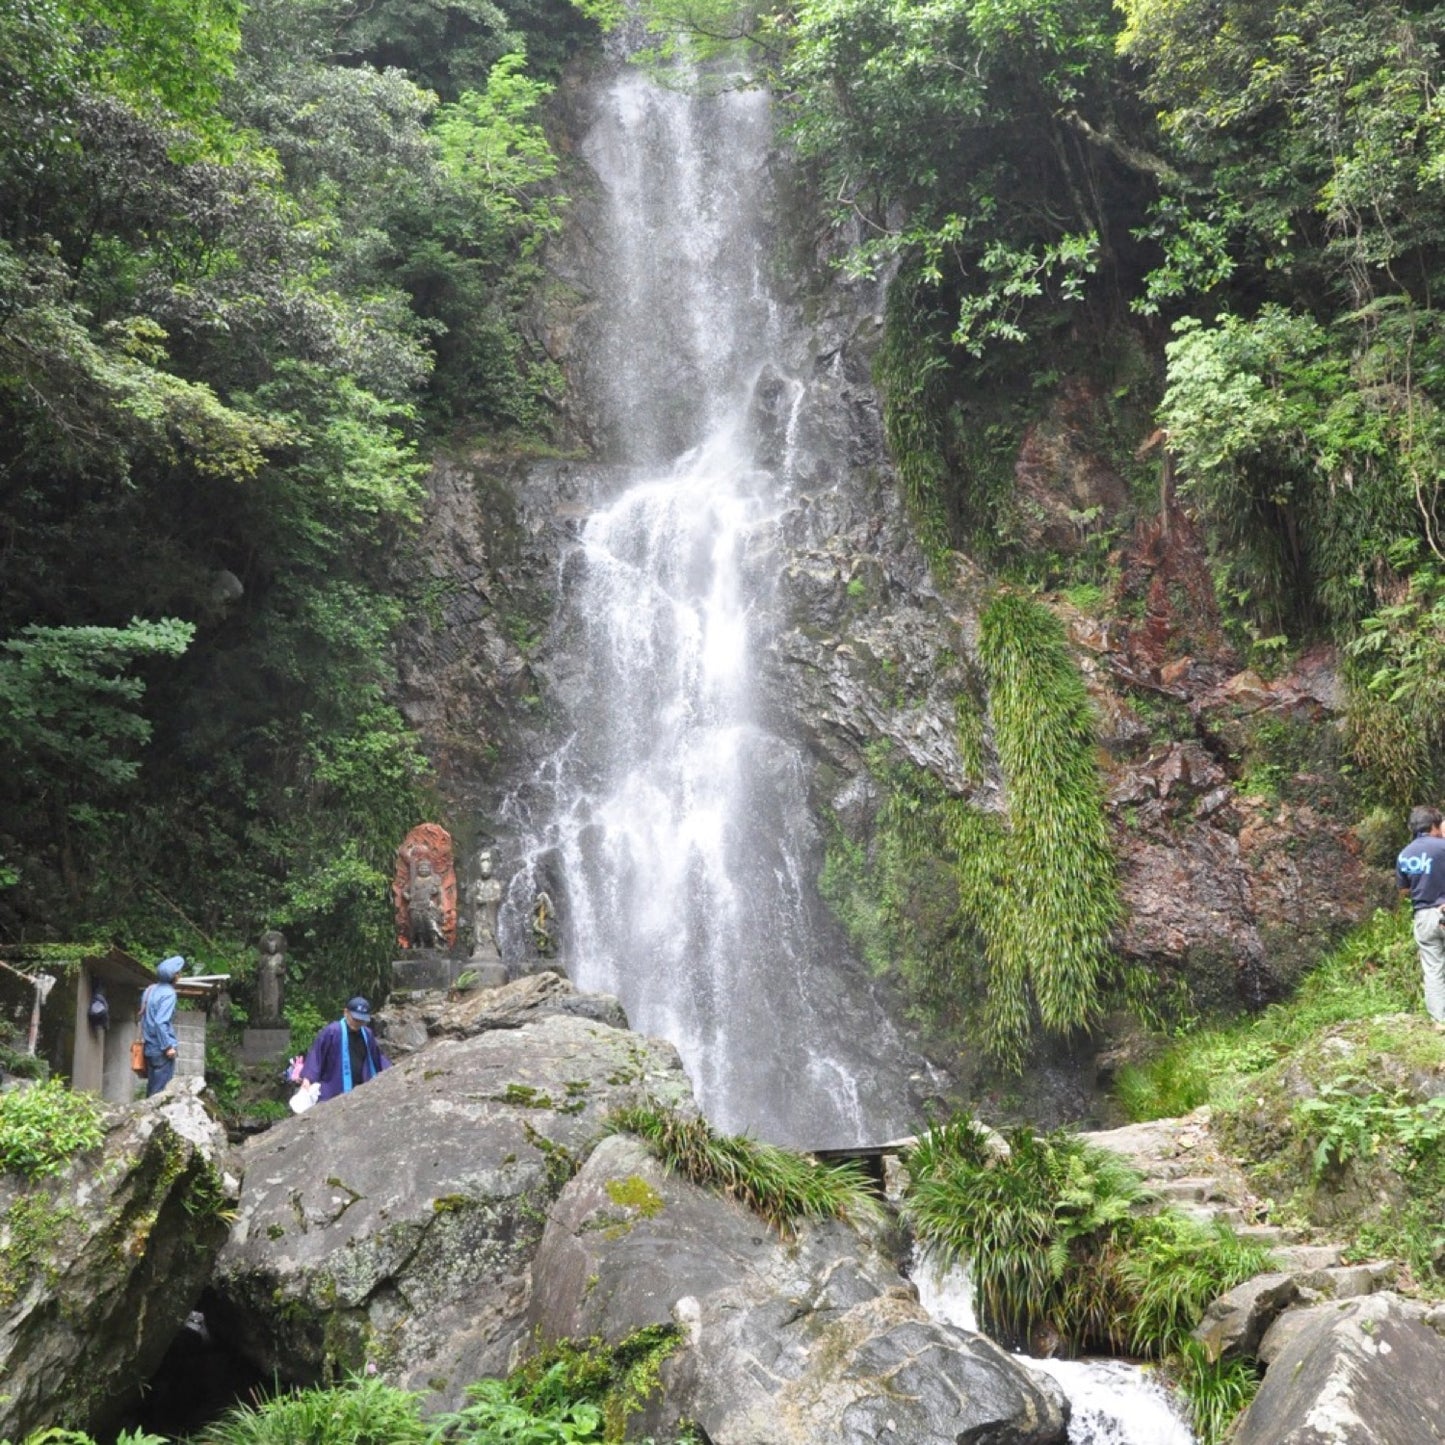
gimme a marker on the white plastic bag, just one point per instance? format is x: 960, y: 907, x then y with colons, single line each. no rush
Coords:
x: 305, y: 1097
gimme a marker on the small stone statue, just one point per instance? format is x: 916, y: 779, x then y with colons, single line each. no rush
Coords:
x: 486, y: 900
x: 544, y: 912
x: 271, y: 980
x: 424, y: 906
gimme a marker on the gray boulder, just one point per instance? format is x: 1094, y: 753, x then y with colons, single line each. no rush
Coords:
x: 818, y: 1341
x: 100, y: 1264
x: 1367, y: 1371
x: 411, y: 1020
x: 394, y: 1226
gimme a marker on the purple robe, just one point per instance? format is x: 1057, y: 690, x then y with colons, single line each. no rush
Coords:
x: 323, y: 1059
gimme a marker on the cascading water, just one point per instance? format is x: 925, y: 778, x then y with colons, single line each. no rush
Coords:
x: 673, y: 822
x: 1111, y: 1402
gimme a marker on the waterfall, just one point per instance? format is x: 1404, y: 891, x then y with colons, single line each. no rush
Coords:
x: 672, y: 825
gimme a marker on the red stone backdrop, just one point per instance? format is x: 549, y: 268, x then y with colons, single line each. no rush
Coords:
x: 426, y: 840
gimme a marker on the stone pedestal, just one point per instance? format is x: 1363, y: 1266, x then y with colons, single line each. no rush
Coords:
x: 426, y: 969
x: 483, y: 973
x: 265, y: 1046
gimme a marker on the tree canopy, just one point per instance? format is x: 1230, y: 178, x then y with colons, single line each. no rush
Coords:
x: 250, y: 264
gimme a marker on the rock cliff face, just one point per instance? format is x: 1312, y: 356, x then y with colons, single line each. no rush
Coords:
x: 100, y: 1264
x: 1230, y: 810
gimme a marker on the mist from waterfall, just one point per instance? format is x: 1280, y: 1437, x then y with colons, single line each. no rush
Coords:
x: 674, y: 821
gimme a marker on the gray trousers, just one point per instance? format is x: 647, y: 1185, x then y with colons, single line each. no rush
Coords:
x: 1430, y: 940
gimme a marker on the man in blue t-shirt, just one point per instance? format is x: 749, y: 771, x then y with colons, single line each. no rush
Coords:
x: 1420, y: 869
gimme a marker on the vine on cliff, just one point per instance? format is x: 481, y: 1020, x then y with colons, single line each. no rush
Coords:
x: 1042, y: 890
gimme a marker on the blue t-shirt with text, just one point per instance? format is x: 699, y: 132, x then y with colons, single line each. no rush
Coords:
x: 1421, y: 868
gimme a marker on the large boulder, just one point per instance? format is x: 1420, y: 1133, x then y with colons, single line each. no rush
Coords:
x: 1367, y: 1371
x: 394, y: 1226
x: 100, y: 1264
x: 815, y: 1341
x: 412, y: 1020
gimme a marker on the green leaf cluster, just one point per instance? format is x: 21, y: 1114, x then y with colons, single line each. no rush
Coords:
x: 44, y: 1126
x: 570, y: 1393
x: 996, y: 923
x: 1057, y: 1243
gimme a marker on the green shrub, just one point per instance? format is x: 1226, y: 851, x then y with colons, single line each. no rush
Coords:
x: 1032, y: 1227
x: 780, y: 1185
x: 1173, y: 1268
x: 1055, y: 1242
x: 360, y: 1412
x: 44, y: 1126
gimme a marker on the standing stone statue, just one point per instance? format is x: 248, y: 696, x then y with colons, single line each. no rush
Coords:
x: 486, y: 901
x: 424, y: 906
x: 424, y: 889
x: 544, y: 916
x: 271, y: 980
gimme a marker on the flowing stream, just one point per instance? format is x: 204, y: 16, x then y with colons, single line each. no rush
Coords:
x: 1113, y: 1402
x: 671, y: 828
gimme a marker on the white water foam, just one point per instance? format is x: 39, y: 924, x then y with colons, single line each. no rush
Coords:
x: 1113, y: 1402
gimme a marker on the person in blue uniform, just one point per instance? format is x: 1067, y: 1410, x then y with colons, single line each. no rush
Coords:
x: 1420, y: 872
x: 157, y: 1024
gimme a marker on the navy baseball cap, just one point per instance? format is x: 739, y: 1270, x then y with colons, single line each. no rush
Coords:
x: 359, y: 1009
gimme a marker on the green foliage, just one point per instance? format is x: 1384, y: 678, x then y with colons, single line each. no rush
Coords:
x: 1372, y: 972
x: 967, y: 116
x: 568, y: 1392
x: 780, y: 1185
x: 908, y: 370
x: 68, y: 706
x: 53, y: 1435
x: 1349, y: 1121
x: 1043, y: 891
x: 1174, y: 1267
x: 44, y: 1126
x: 1218, y: 1391
x: 1055, y: 1241
x: 241, y: 269
x: 1029, y: 1227
x: 359, y: 1412
x: 995, y: 924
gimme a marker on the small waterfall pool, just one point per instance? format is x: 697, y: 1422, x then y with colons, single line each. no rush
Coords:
x: 1113, y: 1402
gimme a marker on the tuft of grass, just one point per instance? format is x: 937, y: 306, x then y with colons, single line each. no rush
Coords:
x: 1164, y: 1088
x: 360, y: 1412
x: 780, y: 1185
x: 1218, y: 1391
x: 1030, y: 1226
x: 1174, y: 1267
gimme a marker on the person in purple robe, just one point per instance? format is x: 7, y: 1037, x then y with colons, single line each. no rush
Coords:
x: 344, y: 1053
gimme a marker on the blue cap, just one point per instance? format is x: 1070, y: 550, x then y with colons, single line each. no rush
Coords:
x: 168, y: 968
x: 359, y: 1009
